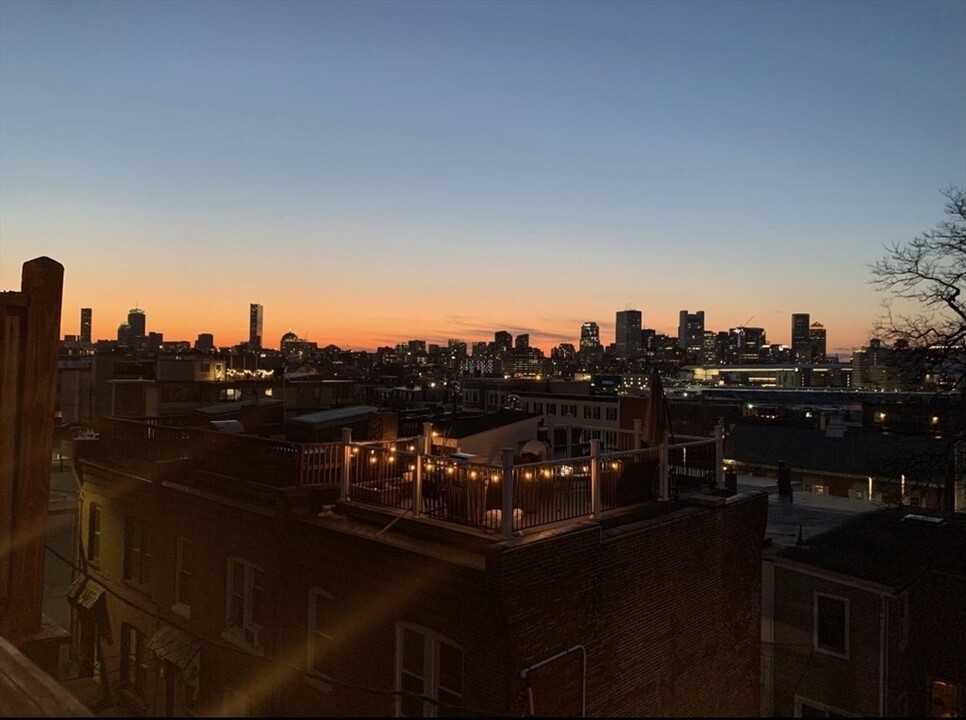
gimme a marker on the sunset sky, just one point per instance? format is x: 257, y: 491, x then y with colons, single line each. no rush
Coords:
x: 376, y: 172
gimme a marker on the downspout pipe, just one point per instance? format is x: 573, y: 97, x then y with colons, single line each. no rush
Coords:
x: 525, y: 673
x: 883, y: 621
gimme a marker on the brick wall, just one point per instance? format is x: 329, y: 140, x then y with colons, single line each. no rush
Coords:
x: 668, y: 611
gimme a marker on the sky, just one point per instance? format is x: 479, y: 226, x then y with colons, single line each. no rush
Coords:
x: 376, y: 172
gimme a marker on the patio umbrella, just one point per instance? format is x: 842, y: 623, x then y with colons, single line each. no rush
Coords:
x: 656, y: 419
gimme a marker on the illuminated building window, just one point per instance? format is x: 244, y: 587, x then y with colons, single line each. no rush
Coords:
x: 945, y: 699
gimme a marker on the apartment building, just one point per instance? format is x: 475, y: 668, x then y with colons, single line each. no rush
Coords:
x: 233, y: 574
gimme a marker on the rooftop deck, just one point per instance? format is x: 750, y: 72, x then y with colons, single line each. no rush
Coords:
x: 405, y: 475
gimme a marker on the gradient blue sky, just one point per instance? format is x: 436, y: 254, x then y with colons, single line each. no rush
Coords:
x: 374, y: 172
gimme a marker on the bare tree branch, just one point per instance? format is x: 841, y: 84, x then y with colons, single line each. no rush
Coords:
x: 929, y: 271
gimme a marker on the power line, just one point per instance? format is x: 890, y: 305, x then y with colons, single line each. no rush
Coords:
x: 275, y: 661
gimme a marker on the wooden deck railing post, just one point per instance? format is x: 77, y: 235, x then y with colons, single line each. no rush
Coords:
x: 506, y: 512
x: 665, y: 470
x: 346, y: 463
x: 595, y: 495
x: 718, y: 456
x: 418, y: 480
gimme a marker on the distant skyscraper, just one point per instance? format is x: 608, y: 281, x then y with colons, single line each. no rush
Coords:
x: 85, y: 325
x: 205, y: 342
x: 255, y: 326
x: 801, y: 341
x: 502, y: 341
x: 816, y: 341
x: 590, y: 348
x: 745, y: 344
x: 691, y: 335
x: 124, y: 336
x: 138, y: 321
x: 628, y: 334
x: 523, y: 341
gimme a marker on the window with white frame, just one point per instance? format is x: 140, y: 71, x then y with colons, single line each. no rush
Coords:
x: 134, y: 669
x: 94, y: 533
x: 137, y: 552
x: 244, y: 604
x: 831, y: 624
x: 183, y: 580
x: 429, y: 665
x: 319, y: 636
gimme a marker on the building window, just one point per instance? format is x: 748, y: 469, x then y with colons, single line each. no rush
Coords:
x: 831, y: 626
x: 427, y: 664
x: 319, y: 630
x: 94, y: 533
x: 183, y: 583
x: 134, y: 669
x: 586, y: 412
x: 538, y: 407
x: 596, y: 413
x: 945, y: 699
x: 137, y: 552
x: 551, y: 408
x: 811, y: 708
x: 244, y: 604
x: 611, y: 413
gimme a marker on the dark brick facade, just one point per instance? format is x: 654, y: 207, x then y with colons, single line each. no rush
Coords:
x: 660, y: 604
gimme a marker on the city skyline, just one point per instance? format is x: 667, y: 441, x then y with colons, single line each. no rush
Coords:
x: 372, y: 172
x: 486, y: 336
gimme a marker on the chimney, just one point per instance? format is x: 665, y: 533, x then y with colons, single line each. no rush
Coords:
x: 784, y: 482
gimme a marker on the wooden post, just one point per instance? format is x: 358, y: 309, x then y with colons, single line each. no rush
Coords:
x: 418, y: 480
x: 30, y: 335
x: 718, y: 456
x: 506, y: 512
x: 597, y: 504
x: 346, y: 463
x: 665, y: 470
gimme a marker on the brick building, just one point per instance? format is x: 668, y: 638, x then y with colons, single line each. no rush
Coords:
x: 242, y: 575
